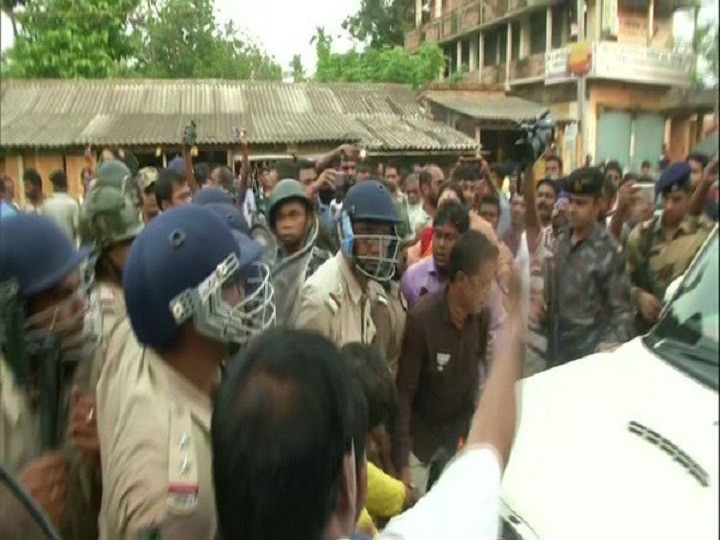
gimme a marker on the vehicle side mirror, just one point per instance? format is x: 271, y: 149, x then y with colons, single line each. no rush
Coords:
x: 672, y: 288
x: 21, y: 518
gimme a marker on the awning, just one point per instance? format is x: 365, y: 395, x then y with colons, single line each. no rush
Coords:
x: 492, y: 108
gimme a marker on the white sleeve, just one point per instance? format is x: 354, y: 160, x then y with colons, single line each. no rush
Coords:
x: 464, y: 503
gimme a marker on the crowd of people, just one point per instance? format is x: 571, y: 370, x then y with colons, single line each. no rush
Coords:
x: 319, y: 349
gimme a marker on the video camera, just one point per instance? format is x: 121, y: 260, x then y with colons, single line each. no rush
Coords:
x: 533, y: 139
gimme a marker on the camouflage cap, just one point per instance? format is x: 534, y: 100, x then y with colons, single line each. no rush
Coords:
x: 587, y: 181
x: 108, y: 217
x: 113, y: 172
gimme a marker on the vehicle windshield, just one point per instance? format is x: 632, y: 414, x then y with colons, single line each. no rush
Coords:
x: 687, y: 334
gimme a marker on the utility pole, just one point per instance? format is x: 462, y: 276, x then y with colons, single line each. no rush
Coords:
x: 581, y: 87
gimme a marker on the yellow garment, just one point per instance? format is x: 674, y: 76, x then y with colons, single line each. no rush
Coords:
x: 365, y: 524
x: 385, y: 494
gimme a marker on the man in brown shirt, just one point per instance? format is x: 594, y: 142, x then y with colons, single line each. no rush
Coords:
x: 444, y: 358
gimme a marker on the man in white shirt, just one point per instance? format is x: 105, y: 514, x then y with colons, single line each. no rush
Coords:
x: 283, y: 452
x: 61, y: 207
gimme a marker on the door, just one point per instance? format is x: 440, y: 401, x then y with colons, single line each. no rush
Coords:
x: 649, y: 131
x: 613, y: 137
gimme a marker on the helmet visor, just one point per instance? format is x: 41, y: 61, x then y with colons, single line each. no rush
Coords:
x: 73, y: 324
x: 232, y: 304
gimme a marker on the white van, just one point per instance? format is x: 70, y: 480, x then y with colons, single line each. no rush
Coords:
x: 624, y: 445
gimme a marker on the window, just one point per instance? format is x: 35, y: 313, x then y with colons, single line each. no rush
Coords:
x: 687, y: 334
x: 538, y: 31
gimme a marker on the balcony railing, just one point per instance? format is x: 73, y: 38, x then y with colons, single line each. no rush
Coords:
x: 530, y: 67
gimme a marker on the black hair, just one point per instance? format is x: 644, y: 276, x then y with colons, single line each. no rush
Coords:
x: 470, y: 251
x: 33, y: 177
x: 556, y: 159
x: 453, y: 212
x: 424, y: 177
x: 467, y: 173
x: 282, y: 424
x: 396, y: 166
x: 554, y: 184
x: 370, y: 370
x: 202, y: 173
x: 490, y: 199
x: 303, y: 164
x: 164, y: 185
x: 360, y: 424
x: 645, y: 163
x: 613, y: 165
x: 701, y: 158
x: 58, y: 179
x: 609, y: 188
x: 455, y: 186
x: 629, y: 177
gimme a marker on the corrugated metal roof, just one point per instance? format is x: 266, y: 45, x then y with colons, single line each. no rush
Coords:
x: 495, y: 108
x: 58, y: 113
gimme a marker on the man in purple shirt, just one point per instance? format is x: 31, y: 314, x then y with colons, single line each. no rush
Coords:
x: 429, y: 275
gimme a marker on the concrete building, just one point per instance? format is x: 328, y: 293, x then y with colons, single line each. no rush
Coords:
x: 523, y: 47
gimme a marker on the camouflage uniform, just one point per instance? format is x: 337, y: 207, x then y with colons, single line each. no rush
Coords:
x: 590, y: 302
x: 654, y: 260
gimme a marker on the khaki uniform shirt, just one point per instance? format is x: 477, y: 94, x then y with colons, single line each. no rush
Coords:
x: 154, y: 428
x: 333, y: 304
x: 663, y: 260
x: 20, y: 443
x: 389, y: 314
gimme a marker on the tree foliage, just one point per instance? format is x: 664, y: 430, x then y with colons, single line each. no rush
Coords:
x: 181, y: 39
x: 108, y: 38
x: 385, y: 64
x: 297, y: 68
x: 71, y: 38
x: 706, y: 45
x: 381, y: 23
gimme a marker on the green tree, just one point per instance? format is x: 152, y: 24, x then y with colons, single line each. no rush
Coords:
x: 181, y: 39
x: 70, y: 38
x: 382, y: 23
x: 297, y: 68
x: 706, y: 46
x: 385, y: 64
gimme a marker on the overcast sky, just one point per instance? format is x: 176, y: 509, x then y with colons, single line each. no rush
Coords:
x: 284, y: 27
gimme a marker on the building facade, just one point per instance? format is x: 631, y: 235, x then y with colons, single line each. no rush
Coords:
x: 524, y: 45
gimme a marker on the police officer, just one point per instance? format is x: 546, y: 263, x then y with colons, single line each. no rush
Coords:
x: 109, y: 222
x: 337, y: 299
x: 589, y: 306
x: 191, y: 294
x: 46, y: 339
x: 293, y: 221
x: 660, y: 249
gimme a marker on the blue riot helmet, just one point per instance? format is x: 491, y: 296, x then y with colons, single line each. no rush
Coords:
x: 368, y: 230
x: 47, y: 308
x: 186, y: 266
